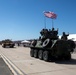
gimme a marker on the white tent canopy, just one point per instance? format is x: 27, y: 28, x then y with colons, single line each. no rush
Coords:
x: 25, y: 41
x: 71, y: 37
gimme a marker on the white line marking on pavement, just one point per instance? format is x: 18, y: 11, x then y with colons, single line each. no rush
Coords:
x: 12, y: 67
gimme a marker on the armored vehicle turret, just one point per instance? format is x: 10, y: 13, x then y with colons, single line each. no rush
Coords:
x: 49, y: 46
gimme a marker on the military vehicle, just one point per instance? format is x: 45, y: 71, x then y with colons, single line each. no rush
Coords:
x: 49, y: 46
x: 7, y: 43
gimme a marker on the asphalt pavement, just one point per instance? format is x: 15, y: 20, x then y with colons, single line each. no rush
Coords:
x: 4, y: 69
x: 24, y: 64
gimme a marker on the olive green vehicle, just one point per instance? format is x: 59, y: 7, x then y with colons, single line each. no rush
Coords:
x: 49, y: 46
x: 7, y: 43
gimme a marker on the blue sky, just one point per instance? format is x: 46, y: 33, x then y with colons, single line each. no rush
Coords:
x: 23, y: 19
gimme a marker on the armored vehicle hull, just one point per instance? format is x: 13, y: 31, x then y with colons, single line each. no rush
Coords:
x: 7, y: 43
x: 49, y: 48
x: 59, y: 49
x: 10, y: 45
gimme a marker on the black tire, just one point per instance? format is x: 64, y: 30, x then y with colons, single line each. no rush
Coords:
x: 68, y: 56
x: 71, y: 43
x: 4, y: 46
x: 32, y: 53
x: 47, y: 43
x: 60, y: 57
x: 46, y: 56
x: 40, y: 54
x: 11, y: 46
x: 36, y: 53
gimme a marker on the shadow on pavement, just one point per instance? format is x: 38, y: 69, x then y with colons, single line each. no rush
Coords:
x: 68, y: 62
x: 10, y: 47
x: 4, y: 70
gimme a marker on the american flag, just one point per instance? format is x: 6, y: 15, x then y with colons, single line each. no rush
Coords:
x: 50, y: 15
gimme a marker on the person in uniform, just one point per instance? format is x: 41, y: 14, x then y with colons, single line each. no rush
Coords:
x: 64, y: 36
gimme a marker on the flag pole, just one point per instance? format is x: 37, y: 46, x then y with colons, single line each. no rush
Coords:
x: 52, y: 24
x: 44, y: 22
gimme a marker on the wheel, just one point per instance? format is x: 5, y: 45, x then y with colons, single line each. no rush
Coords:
x: 60, y: 57
x: 71, y: 43
x: 3, y: 46
x: 40, y: 54
x: 47, y: 43
x: 68, y: 56
x: 35, y: 53
x: 11, y: 46
x: 46, y: 55
x: 32, y: 53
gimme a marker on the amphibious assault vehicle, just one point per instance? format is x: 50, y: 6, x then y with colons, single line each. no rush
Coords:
x: 7, y: 43
x: 49, y: 46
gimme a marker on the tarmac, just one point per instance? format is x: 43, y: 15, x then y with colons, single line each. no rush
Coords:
x: 4, y: 69
x: 21, y: 63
